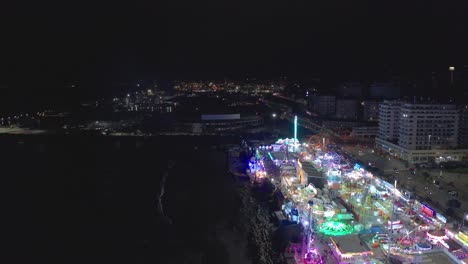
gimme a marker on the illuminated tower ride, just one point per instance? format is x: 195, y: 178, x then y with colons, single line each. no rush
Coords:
x: 295, y: 129
x: 295, y: 132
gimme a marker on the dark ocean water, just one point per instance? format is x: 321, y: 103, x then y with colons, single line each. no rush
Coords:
x: 91, y: 199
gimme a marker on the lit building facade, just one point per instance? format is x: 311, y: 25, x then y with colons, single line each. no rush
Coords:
x: 371, y: 110
x: 428, y: 126
x: 463, y: 130
x: 389, y: 117
x: 420, y: 133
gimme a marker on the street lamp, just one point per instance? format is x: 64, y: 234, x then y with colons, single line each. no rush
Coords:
x: 273, y: 115
x: 451, y: 69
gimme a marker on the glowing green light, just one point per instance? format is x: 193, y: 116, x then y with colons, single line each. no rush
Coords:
x: 334, y: 228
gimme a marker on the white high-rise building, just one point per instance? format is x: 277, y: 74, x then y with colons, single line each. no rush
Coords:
x: 428, y: 126
x: 419, y: 133
x: 389, y: 117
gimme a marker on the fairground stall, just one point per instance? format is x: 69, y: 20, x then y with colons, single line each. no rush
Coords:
x: 350, y: 249
x: 427, y: 214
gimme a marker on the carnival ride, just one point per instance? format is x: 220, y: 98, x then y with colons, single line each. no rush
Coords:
x: 369, y: 199
x: 335, y: 228
x: 315, y: 141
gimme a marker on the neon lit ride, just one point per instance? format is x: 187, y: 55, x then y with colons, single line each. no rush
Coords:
x: 334, y: 228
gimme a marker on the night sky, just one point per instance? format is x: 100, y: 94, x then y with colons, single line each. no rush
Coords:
x: 45, y: 46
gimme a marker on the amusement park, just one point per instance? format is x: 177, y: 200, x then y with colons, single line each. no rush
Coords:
x: 348, y: 214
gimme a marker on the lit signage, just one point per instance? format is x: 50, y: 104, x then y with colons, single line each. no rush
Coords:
x: 441, y: 218
x: 462, y: 237
x: 427, y: 210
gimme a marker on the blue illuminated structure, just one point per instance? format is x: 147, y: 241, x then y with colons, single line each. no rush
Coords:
x: 271, y: 157
x: 295, y: 129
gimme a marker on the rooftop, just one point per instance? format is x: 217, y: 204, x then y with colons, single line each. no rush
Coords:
x: 350, y: 244
x: 310, y: 169
x: 279, y: 155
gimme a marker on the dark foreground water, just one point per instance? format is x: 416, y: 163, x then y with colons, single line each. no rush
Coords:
x: 91, y: 200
